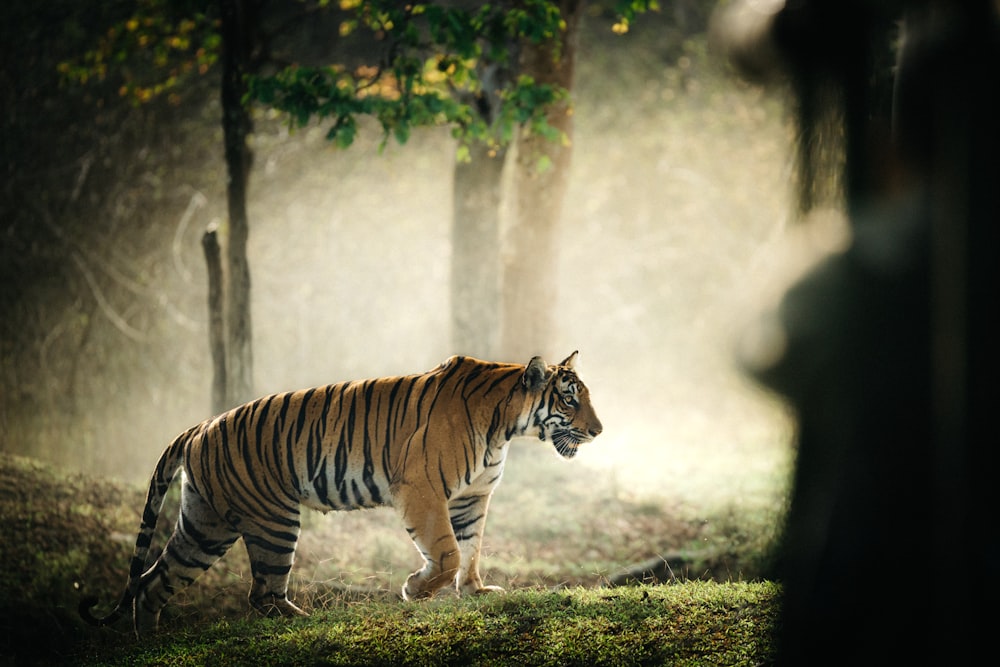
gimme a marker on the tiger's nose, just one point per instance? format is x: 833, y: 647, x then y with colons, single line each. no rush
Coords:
x: 595, y: 429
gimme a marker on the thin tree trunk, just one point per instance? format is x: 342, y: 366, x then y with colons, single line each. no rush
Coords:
x: 239, y: 21
x: 216, y: 317
x: 541, y: 172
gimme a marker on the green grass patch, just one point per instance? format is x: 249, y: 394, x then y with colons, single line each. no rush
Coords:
x: 693, y: 623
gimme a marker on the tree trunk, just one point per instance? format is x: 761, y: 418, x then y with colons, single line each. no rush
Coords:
x: 239, y: 22
x: 475, y: 259
x: 541, y: 172
x: 216, y: 317
x: 476, y: 269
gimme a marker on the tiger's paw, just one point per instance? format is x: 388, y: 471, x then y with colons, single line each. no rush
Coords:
x: 474, y: 586
x: 412, y: 589
x: 145, y: 624
x: 274, y: 605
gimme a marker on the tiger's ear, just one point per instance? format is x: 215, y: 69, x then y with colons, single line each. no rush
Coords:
x: 570, y: 360
x: 536, y: 374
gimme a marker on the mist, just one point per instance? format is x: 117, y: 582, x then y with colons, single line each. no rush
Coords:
x: 677, y: 205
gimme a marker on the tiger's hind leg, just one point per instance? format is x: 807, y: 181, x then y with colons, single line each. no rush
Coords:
x: 199, y: 539
x: 271, y: 549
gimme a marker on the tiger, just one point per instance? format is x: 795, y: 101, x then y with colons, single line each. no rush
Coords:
x: 430, y: 445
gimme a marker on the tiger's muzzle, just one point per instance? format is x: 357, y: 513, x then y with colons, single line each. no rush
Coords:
x: 567, y: 441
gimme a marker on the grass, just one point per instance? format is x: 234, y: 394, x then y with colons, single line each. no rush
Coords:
x: 558, y: 535
x: 693, y: 623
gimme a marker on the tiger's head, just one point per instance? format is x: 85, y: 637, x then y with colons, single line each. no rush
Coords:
x: 564, y: 416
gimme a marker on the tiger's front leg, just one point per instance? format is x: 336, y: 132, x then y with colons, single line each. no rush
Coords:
x: 429, y: 527
x: 468, y: 520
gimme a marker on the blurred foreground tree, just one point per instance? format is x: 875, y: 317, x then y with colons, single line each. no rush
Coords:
x: 888, y: 350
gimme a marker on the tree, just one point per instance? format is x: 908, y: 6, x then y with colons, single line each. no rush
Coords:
x: 240, y: 24
x: 541, y: 173
x: 888, y: 350
x: 476, y: 270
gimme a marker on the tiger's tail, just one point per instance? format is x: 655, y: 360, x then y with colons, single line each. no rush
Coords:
x: 166, y: 468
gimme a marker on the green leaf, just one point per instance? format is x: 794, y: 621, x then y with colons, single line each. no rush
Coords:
x: 343, y: 131
x: 401, y: 133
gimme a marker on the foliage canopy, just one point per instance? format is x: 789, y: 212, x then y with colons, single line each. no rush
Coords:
x: 434, y: 63
x: 430, y: 72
